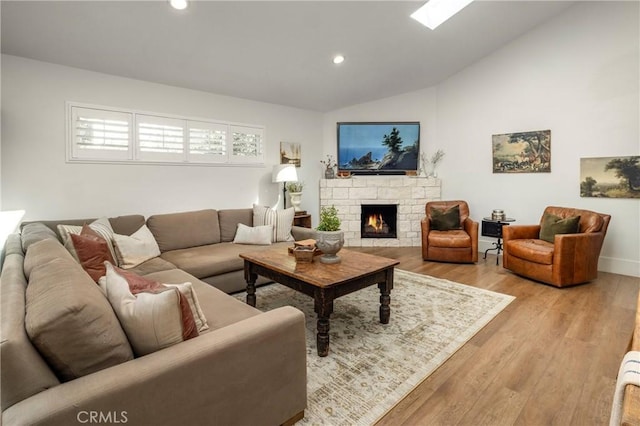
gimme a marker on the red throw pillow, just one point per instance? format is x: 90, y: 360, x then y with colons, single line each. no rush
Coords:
x: 138, y: 284
x: 92, y: 251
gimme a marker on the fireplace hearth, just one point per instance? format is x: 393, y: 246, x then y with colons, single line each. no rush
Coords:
x: 378, y: 220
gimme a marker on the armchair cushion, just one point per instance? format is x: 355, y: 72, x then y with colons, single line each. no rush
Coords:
x: 451, y: 239
x: 552, y: 225
x: 537, y: 251
x: 445, y: 219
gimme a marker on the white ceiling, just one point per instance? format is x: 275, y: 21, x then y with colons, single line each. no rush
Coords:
x: 277, y: 52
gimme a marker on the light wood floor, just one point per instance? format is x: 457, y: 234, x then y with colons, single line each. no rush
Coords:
x: 550, y: 358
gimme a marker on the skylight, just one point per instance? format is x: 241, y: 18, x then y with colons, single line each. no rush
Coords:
x: 435, y: 12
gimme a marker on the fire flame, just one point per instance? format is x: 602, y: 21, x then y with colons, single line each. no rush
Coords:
x: 375, y: 221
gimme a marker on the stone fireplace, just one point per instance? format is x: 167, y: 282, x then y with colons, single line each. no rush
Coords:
x: 378, y: 220
x: 407, y: 194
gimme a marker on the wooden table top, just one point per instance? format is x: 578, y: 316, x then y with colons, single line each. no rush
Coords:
x: 353, y: 265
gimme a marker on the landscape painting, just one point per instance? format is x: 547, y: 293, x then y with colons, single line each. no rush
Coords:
x: 524, y: 152
x: 290, y: 153
x: 610, y: 177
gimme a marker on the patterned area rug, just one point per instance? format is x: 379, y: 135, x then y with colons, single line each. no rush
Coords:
x: 372, y: 366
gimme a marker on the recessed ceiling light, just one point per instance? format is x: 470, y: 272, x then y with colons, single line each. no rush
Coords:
x: 179, y: 4
x: 435, y: 12
x: 338, y: 59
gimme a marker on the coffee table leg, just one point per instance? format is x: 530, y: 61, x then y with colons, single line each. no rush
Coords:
x: 324, y: 310
x: 251, y: 278
x: 385, y: 297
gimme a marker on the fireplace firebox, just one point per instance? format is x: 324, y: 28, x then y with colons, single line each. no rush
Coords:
x: 378, y: 220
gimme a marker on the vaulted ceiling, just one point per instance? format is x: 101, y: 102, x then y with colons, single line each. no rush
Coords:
x: 277, y: 52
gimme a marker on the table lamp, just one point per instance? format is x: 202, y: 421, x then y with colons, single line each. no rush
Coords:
x: 284, y: 173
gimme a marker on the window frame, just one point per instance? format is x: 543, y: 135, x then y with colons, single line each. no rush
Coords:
x: 136, y: 154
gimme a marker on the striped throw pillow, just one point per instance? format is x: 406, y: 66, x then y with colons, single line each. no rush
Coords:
x: 282, y: 220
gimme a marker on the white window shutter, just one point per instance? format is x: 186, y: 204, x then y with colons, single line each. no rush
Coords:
x: 247, y: 144
x: 100, y: 134
x: 207, y: 142
x: 160, y: 138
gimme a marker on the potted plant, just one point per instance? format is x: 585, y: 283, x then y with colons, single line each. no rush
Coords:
x: 330, y: 238
x: 295, y: 194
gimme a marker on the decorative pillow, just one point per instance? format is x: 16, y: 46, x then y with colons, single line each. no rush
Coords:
x: 259, y: 235
x: 552, y: 225
x: 445, y: 219
x: 92, y: 251
x: 102, y: 226
x: 154, y: 318
x: 281, y: 220
x: 137, y: 282
x: 134, y: 249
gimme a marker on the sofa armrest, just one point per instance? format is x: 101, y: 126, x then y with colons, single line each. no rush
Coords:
x: 251, y: 372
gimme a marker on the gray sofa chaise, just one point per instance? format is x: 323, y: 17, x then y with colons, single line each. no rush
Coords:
x: 65, y: 358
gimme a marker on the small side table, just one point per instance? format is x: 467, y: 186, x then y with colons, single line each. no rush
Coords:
x: 493, y: 228
x: 303, y: 219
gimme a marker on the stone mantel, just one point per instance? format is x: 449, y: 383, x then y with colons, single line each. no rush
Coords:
x: 408, y: 192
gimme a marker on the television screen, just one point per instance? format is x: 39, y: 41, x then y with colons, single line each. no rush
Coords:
x: 378, y: 148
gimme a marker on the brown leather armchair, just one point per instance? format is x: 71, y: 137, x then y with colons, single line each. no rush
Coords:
x: 571, y: 259
x: 457, y: 245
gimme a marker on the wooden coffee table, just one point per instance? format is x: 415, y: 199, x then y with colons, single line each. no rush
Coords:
x: 323, y: 282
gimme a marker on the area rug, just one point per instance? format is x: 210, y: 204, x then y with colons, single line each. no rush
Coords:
x: 372, y: 366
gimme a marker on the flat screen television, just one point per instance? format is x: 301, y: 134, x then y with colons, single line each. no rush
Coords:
x: 378, y: 147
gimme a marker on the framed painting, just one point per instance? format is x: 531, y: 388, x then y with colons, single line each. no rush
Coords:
x: 524, y: 152
x: 610, y: 177
x: 290, y: 153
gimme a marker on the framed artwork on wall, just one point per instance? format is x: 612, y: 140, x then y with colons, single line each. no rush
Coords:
x: 290, y: 153
x: 523, y: 152
x: 610, y: 177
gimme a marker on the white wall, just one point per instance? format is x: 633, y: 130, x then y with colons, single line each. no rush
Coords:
x: 577, y: 75
x: 35, y: 176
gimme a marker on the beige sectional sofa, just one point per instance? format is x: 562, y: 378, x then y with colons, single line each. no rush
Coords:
x: 65, y: 359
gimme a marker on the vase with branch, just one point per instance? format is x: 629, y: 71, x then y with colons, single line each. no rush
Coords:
x: 429, y: 164
x: 330, y: 167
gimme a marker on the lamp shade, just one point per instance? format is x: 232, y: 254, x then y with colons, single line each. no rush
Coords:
x: 284, y: 173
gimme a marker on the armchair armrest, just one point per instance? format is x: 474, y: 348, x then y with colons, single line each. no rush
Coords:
x: 575, y: 256
x: 519, y: 232
x: 425, y: 226
x: 471, y: 228
x: 251, y: 372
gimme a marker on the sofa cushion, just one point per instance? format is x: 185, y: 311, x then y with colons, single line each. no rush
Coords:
x: 214, y: 259
x: 23, y: 372
x: 92, y: 251
x: 533, y: 250
x: 34, y: 232
x: 152, y: 315
x: 282, y: 221
x: 229, y: 220
x: 219, y: 308
x: 177, y: 231
x: 48, y: 250
x: 69, y: 320
x: 254, y: 235
x: 136, y: 248
x: 552, y: 225
x: 152, y: 265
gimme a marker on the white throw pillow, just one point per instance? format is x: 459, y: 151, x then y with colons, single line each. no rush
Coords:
x: 134, y: 249
x: 102, y: 226
x: 151, y: 321
x: 259, y: 235
x: 282, y: 220
x: 198, y: 315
